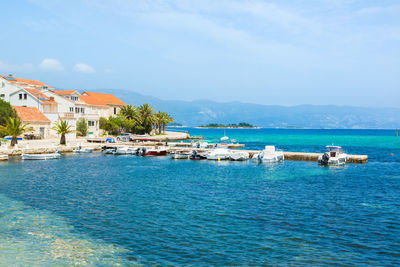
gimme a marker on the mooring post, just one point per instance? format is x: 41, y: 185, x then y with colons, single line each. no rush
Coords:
x: 397, y: 133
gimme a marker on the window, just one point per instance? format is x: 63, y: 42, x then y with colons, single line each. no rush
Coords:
x: 91, y: 123
x: 115, y: 111
x: 2, y: 96
x: 76, y: 110
x: 25, y: 96
x: 71, y: 109
x: 82, y: 110
x: 20, y: 96
x: 74, y: 98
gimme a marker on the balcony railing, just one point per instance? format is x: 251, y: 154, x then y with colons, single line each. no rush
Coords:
x: 67, y: 115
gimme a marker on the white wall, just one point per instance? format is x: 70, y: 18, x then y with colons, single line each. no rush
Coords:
x: 29, y: 102
x: 6, y: 88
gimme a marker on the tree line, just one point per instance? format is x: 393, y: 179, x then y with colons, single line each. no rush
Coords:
x: 136, y: 120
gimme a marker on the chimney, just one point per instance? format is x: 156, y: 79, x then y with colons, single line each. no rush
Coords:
x: 51, y: 98
x: 10, y: 75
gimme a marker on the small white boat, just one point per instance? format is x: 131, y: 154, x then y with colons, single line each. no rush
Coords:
x: 239, y: 156
x: 3, y: 157
x: 181, y: 154
x: 219, y: 154
x: 270, y: 155
x: 109, y: 150
x: 83, y: 150
x: 334, y: 155
x: 200, y: 144
x: 55, y: 155
x: 124, y: 151
x: 224, y: 138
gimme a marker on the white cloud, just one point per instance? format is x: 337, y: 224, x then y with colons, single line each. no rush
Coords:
x: 51, y: 64
x: 84, y: 68
x: 9, y: 68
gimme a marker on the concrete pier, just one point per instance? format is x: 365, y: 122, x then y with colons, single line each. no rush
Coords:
x: 293, y: 156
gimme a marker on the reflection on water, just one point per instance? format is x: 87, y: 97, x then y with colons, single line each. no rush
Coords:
x: 36, y: 237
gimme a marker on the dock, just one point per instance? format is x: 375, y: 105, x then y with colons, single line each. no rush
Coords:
x: 290, y: 156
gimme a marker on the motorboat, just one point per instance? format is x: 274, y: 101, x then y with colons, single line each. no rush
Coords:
x: 270, y: 155
x: 3, y: 157
x: 108, y: 150
x: 181, y: 154
x: 124, y: 150
x: 198, y: 156
x: 200, y: 144
x: 219, y: 154
x: 153, y: 152
x: 239, y: 156
x: 80, y: 149
x: 334, y: 155
x: 55, y: 155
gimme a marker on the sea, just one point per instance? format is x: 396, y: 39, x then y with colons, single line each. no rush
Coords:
x: 105, y: 210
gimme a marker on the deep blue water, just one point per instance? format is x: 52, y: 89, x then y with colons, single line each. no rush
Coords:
x: 106, y: 210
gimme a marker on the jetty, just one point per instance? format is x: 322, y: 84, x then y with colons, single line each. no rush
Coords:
x: 290, y: 156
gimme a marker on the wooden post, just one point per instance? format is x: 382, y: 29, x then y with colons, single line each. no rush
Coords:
x: 397, y: 133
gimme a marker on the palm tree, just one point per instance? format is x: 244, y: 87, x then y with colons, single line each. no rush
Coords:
x: 62, y: 128
x: 158, y: 120
x: 146, y: 116
x: 14, y: 128
x: 130, y: 112
x: 165, y: 119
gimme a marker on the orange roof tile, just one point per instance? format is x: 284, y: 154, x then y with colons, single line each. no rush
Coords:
x: 90, y: 100
x: 105, y: 98
x: 65, y: 92
x: 30, y: 114
x: 26, y: 81
x: 42, y: 97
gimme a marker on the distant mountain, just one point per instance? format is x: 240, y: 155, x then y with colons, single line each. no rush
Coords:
x: 201, y: 112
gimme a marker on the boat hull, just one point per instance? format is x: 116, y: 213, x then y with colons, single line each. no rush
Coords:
x: 40, y: 156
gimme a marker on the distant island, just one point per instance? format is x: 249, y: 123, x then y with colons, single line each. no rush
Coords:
x: 234, y: 125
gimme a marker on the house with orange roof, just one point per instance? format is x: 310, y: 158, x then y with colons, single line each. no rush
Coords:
x: 113, y: 103
x: 10, y: 83
x: 39, y: 123
x: 28, y: 97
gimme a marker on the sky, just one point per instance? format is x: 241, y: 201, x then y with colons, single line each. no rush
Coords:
x: 286, y: 52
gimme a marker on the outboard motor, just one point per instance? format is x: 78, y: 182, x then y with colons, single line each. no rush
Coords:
x: 103, y: 148
x: 260, y: 155
x: 325, y: 158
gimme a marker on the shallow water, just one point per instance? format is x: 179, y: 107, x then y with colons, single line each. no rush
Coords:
x: 109, y: 210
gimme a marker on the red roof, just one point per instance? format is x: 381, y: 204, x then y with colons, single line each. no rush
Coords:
x: 90, y: 100
x: 30, y: 114
x: 26, y: 81
x: 105, y: 99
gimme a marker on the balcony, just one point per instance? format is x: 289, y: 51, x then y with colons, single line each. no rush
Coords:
x: 67, y: 115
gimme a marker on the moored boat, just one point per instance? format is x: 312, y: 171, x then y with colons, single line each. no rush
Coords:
x: 219, y: 154
x: 198, y: 156
x: 80, y: 149
x: 3, y: 157
x: 334, y: 155
x: 181, y: 154
x: 239, y: 156
x: 270, y: 155
x: 153, y: 152
x: 124, y: 151
x: 54, y: 155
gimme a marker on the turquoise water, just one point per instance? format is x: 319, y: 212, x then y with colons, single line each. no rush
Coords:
x: 103, y: 210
